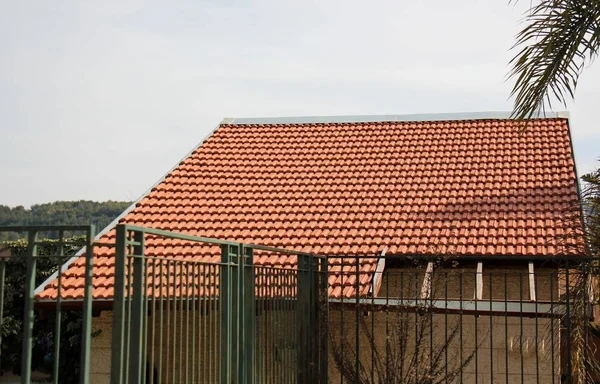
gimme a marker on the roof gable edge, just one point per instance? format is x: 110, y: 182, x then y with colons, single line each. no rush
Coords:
x: 113, y: 223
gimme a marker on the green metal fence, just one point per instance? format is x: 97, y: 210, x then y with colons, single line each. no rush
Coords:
x: 189, y: 309
x: 180, y: 316
x: 42, y: 329
x: 467, y: 320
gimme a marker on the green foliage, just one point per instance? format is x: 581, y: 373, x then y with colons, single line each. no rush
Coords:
x: 591, y: 207
x: 61, y: 212
x: 559, y: 39
x: 44, y: 323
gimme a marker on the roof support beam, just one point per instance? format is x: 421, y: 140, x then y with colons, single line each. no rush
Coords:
x: 479, y: 282
x: 532, y: 295
x: 426, y: 287
x: 378, y: 276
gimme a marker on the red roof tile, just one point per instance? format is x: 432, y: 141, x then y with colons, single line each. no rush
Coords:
x: 471, y: 187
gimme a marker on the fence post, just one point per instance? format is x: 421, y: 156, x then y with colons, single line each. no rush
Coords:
x: 248, y: 312
x: 323, y: 320
x: 303, y: 295
x: 28, y: 315
x: 225, y: 309
x: 118, y: 325
x: 86, y: 329
x: 136, y: 356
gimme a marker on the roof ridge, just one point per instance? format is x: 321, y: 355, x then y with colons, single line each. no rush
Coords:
x: 491, y: 115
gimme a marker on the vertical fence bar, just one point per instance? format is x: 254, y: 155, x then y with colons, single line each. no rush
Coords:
x: 28, y: 315
x: 170, y: 302
x: 225, y: 305
x: 402, y: 296
x: 476, y: 345
x: 2, y: 278
x: 446, y: 326
x: 136, y: 356
x: 552, y: 325
x: 159, y: 372
x: 151, y: 376
x: 290, y: 312
x: 118, y: 325
x: 236, y: 337
x: 303, y: 300
x: 86, y: 321
x: 521, y: 325
x: 491, y: 335
x: 249, y: 314
x: 342, y: 333
x: 145, y: 311
x: 187, y: 322
x: 129, y: 295
x: 460, y: 323
x: 217, y: 330
x: 58, y: 312
x: 196, y: 320
x: 506, y: 327
x: 323, y: 319
x: 537, y: 357
x: 180, y: 315
x: 174, y: 369
x: 357, y: 318
x: 372, y: 314
x: 387, y: 321
x: 568, y: 324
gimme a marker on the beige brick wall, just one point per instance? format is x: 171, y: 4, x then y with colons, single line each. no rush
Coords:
x: 495, y: 335
x: 100, y: 349
x: 493, y: 339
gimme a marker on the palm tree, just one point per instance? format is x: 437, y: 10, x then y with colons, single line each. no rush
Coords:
x: 560, y: 38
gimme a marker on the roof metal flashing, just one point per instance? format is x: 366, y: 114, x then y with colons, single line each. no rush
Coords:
x: 113, y: 223
x: 387, y: 118
x: 228, y: 120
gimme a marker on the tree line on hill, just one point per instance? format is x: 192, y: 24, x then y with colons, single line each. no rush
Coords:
x: 60, y: 212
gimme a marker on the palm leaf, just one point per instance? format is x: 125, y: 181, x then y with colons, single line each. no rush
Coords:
x: 559, y: 39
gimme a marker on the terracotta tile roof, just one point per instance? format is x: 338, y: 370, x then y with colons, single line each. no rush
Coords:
x: 468, y: 187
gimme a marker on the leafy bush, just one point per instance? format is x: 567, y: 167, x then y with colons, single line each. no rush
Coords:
x: 44, y: 323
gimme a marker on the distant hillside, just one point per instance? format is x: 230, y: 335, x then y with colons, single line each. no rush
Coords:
x: 61, y: 212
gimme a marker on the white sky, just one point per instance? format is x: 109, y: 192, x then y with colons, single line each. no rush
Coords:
x: 98, y: 99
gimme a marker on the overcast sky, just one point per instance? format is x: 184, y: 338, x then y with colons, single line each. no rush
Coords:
x: 98, y: 99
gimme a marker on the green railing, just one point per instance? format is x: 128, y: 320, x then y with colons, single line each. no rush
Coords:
x: 469, y: 319
x: 190, y: 309
x: 56, y: 259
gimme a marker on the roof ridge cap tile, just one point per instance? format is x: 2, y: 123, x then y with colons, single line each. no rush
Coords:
x: 425, y: 117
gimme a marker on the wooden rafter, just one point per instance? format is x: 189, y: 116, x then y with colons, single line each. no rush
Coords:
x: 378, y: 276
x: 426, y: 287
x: 479, y: 282
x: 532, y: 295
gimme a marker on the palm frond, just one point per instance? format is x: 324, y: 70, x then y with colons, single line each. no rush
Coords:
x: 559, y: 39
